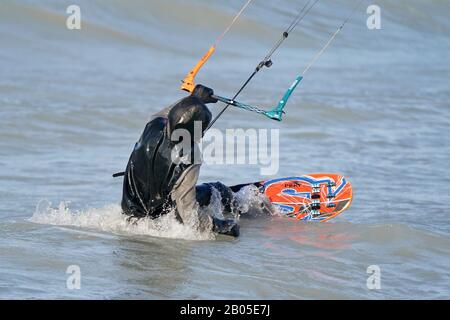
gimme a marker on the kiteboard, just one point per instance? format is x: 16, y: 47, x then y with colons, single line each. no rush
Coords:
x: 310, y: 197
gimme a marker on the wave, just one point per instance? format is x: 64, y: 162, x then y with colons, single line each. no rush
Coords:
x: 170, y: 24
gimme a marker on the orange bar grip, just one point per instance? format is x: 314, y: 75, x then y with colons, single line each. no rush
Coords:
x: 189, y: 82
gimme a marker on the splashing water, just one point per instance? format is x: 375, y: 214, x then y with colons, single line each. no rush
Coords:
x: 110, y: 219
x: 251, y: 201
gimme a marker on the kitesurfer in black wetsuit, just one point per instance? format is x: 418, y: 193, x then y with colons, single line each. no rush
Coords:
x: 156, y: 181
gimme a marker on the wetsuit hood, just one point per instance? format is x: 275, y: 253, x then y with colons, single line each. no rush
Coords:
x: 205, y: 94
x: 184, y: 115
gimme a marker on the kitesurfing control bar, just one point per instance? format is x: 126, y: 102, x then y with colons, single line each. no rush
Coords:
x: 188, y: 84
x: 237, y: 104
x: 275, y: 114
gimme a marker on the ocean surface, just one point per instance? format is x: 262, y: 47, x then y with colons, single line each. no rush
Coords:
x: 375, y: 108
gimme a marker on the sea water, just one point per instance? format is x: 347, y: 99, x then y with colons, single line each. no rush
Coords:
x: 375, y: 108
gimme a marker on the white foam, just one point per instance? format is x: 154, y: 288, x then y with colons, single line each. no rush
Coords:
x: 251, y: 201
x: 110, y: 219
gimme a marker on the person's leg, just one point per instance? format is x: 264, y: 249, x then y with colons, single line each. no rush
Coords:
x: 239, y: 187
x: 204, y: 194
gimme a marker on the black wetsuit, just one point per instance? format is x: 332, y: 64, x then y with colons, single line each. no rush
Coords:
x: 156, y: 182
